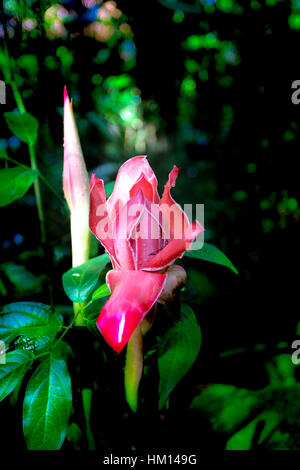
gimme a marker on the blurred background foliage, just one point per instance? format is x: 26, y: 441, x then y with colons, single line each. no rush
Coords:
x: 205, y: 85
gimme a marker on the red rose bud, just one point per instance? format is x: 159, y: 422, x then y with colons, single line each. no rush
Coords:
x: 76, y: 187
x: 76, y: 191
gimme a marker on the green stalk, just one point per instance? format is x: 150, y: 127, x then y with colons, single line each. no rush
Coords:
x: 87, y: 394
x: 133, y: 368
x: 32, y: 155
x: 37, y: 191
x: 18, y: 98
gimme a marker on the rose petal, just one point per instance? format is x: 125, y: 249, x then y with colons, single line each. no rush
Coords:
x: 128, y: 175
x: 125, y: 221
x: 145, y: 186
x: 138, y: 232
x: 175, y: 248
x: 174, y: 219
x: 99, y: 221
x: 146, y: 237
x: 133, y: 293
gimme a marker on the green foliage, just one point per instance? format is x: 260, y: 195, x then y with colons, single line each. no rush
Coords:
x: 178, y: 350
x: 47, y: 405
x: 207, y: 41
x: 29, y: 63
x: 227, y: 406
x: 15, y: 182
x: 214, y: 255
x: 281, y: 370
x: 102, y: 291
x: 3, y: 289
x: 91, y: 314
x: 119, y: 82
x: 80, y: 281
x: 29, y: 320
x: 13, y: 370
x: 249, y: 419
x: 24, y: 281
x: 23, y: 125
x: 244, y: 438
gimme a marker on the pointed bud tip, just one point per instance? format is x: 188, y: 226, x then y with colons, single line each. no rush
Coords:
x: 66, y: 97
x: 108, y: 333
x: 93, y: 180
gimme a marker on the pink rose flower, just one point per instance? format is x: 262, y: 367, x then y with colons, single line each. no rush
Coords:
x: 143, y: 236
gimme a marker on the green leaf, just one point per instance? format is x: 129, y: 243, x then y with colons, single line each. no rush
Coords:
x: 47, y: 405
x: 242, y: 440
x: 13, y: 370
x: 178, y: 350
x: 3, y: 290
x: 91, y: 313
x: 25, y: 282
x: 102, y: 291
x: 29, y: 321
x: 80, y: 281
x: 261, y: 427
x: 23, y: 125
x: 252, y: 419
x: 211, y: 253
x: 15, y: 182
x: 228, y: 405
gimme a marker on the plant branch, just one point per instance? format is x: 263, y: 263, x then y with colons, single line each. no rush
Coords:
x: 37, y: 191
x: 58, y: 341
x: 33, y: 162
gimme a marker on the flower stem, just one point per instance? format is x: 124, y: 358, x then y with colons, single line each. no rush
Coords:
x: 18, y: 98
x: 36, y: 184
x: 133, y: 368
x: 37, y: 192
x: 80, y: 310
x: 87, y: 394
x: 78, y: 318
